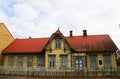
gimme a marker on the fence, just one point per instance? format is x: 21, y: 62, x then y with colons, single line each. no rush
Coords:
x: 59, y: 73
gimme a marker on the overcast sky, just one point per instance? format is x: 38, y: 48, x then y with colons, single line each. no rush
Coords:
x: 40, y: 18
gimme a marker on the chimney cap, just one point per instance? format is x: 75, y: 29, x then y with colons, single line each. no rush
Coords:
x: 84, y: 32
x: 71, y: 33
x: 30, y: 37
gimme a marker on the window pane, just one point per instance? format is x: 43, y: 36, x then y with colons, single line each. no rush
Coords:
x: 78, y: 62
x: 80, y: 65
x: 30, y: 61
x: 76, y: 65
x: 20, y: 60
x: 63, y: 61
x: 57, y: 43
x: 52, y: 61
x: 40, y: 60
x: 107, y: 60
x: 93, y: 61
x: 11, y: 60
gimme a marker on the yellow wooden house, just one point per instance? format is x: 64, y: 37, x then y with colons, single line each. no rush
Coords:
x: 5, y: 38
x: 62, y: 52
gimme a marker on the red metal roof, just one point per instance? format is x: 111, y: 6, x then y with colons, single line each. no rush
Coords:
x: 26, y: 45
x: 94, y: 43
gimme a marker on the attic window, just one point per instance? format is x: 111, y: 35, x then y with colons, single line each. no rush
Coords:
x: 57, y: 43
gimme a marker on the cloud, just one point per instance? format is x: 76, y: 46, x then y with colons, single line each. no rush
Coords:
x: 40, y: 18
x: 25, y: 12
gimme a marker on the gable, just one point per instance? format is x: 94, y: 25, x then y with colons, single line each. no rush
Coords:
x: 57, y: 37
x: 5, y: 37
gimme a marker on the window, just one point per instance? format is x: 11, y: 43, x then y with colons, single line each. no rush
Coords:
x: 78, y: 62
x: 63, y: 61
x: 20, y: 61
x: 52, y: 61
x: 57, y: 43
x: 107, y: 60
x: 30, y: 61
x: 10, y: 60
x: 93, y: 61
x: 100, y: 62
x: 40, y: 61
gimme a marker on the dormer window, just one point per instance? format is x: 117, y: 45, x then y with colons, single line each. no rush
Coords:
x: 57, y: 43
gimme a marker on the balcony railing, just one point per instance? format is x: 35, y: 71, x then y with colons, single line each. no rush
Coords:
x: 41, y: 71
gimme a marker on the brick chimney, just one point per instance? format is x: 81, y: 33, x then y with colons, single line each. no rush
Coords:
x: 84, y: 32
x: 30, y: 37
x: 71, y: 33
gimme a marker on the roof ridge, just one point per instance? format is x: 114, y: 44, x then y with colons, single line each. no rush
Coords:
x: 31, y: 38
x: 89, y: 35
x: 64, y: 36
